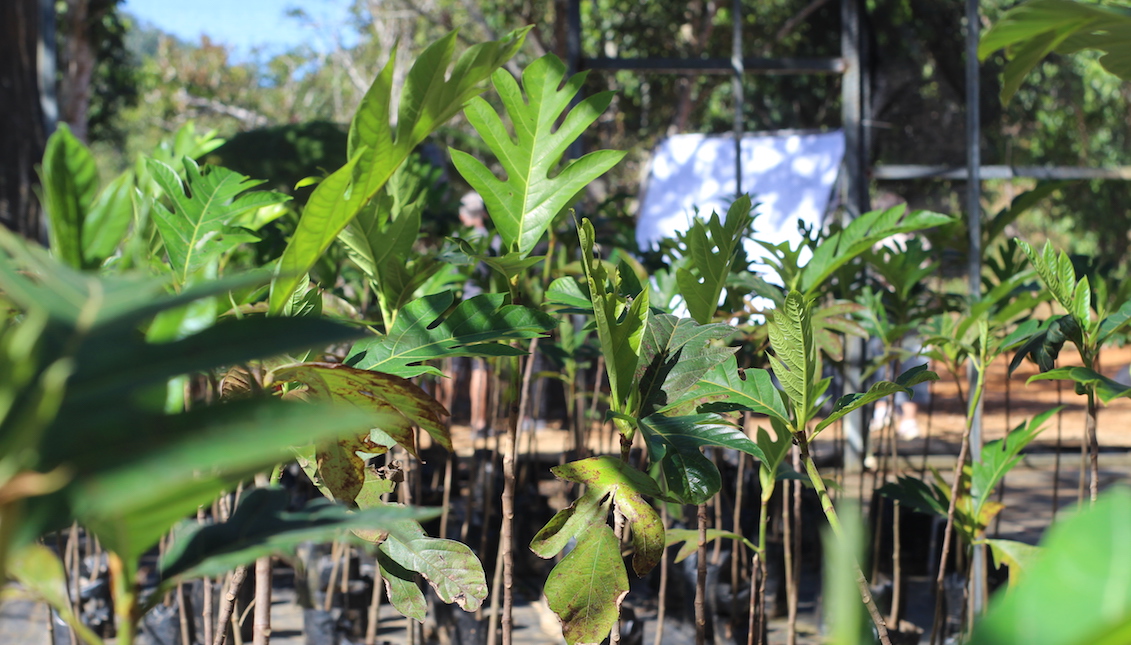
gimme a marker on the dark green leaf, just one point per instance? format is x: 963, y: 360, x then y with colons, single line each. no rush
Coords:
x: 1106, y: 388
x: 674, y: 354
x: 261, y: 525
x: 675, y: 443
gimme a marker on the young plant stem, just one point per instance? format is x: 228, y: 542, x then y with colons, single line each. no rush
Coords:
x: 206, y: 610
x: 1001, y: 486
x: 445, y: 504
x: 182, y: 612
x: 838, y: 531
x: 374, y: 609
x: 959, y: 464
x: 1090, y: 423
x: 261, y: 621
x: 927, y: 430
x: 701, y: 578
x: 506, y: 533
x: 227, y: 607
x: 122, y: 581
x: 897, y: 548
x: 787, y: 548
x: 758, y: 591
x: 736, y: 545
x: 1059, y: 447
x: 662, y: 610
x: 332, y: 582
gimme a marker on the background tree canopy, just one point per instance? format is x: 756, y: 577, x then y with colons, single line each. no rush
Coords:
x: 1068, y: 112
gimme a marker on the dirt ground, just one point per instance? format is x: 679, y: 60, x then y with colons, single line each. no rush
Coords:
x: 1009, y: 401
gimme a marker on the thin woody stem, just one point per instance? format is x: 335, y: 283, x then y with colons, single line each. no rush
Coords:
x: 834, y: 524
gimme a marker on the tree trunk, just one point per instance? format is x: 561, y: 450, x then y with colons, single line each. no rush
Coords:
x: 22, y: 128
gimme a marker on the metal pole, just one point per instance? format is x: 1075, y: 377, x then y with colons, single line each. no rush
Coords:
x: 855, y: 202
x: 974, y: 259
x: 573, y: 60
x: 736, y: 88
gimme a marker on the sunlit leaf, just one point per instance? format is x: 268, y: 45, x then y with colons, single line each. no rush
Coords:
x: 450, y: 567
x: 524, y: 204
x: 710, y: 246
x: 199, y: 228
x: 586, y: 588
x: 607, y: 479
x: 476, y: 327
x: 429, y: 97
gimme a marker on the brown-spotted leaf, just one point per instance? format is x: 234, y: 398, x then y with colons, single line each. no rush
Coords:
x: 450, y: 567
x: 378, y: 482
x: 586, y: 588
x: 606, y: 477
x: 397, y: 402
x: 342, y: 470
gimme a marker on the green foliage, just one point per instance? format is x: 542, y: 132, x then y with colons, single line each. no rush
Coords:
x: 675, y: 353
x: 726, y: 388
x: 524, y: 205
x: 1077, y: 591
x: 396, y: 407
x: 284, y: 154
x: 40, y: 572
x: 795, y: 359
x: 974, y: 509
x: 620, y: 321
x: 846, y: 615
x: 261, y: 525
x: 1018, y: 556
x: 883, y: 389
x: 675, y: 443
x: 586, y: 588
x: 382, y: 238
x: 399, y: 405
x: 710, y: 248
x: 1107, y: 389
x: 85, y: 224
x: 1035, y: 29
x: 475, y: 327
x: 376, y: 150
x: 101, y: 451
x: 689, y: 540
x: 857, y: 237
x: 451, y: 568
x: 203, y: 223
x: 610, y: 484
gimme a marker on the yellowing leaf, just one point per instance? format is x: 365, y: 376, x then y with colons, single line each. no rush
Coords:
x: 397, y: 406
x: 586, y: 588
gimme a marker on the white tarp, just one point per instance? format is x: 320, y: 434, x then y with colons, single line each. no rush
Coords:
x: 790, y: 174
